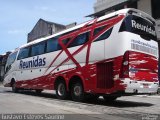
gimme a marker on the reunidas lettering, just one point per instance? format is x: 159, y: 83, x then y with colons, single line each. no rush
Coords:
x: 143, y: 28
x: 35, y: 62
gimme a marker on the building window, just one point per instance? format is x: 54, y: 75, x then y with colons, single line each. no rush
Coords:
x: 50, y: 30
x: 155, y: 9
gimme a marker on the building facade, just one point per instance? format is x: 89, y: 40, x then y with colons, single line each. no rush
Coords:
x: 44, y: 28
x: 3, y: 60
x: 102, y: 7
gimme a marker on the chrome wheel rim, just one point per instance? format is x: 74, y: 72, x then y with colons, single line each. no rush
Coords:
x: 61, y: 89
x: 77, y: 90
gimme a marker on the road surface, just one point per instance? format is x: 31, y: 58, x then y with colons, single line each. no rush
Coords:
x: 124, y: 108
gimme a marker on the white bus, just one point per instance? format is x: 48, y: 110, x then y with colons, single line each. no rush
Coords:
x: 111, y: 56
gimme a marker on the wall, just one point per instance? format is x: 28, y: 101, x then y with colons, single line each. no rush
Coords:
x: 40, y: 30
x: 44, y: 28
x: 145, y: 5
x: 103, y: 4
x: 158, y: 29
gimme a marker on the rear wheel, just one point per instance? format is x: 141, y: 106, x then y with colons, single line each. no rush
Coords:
x: 61, y: 91
x: 77, y: 92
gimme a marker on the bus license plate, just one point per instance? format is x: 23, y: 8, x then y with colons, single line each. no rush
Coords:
x: 145, y: 85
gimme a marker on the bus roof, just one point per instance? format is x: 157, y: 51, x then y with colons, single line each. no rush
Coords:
x: 123, y: 11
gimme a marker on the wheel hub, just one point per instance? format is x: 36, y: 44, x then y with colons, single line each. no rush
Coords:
x: 77, y: 90
x: 61, y: 89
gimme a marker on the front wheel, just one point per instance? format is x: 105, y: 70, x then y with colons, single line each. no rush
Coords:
x: 61, y: 91
x: 77, y: 92
x: 14, y: 88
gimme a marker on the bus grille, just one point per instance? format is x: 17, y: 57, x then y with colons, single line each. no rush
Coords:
x: 105, y: 75
x: 144, y: 49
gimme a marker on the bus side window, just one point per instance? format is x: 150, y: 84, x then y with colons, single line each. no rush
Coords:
x: 104, y: 36
x: 98, y: 30
x: 23, y: 53
x: 38, y: 49
x: 79, y: 40
x: 53, y: 45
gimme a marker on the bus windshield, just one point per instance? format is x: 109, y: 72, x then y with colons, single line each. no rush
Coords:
x: 10, y: 61
x: 140, y: 26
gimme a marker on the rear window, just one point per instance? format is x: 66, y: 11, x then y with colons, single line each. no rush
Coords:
x: 140, y: 26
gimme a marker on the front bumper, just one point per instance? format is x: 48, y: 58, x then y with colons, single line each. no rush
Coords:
x: 6, y: 84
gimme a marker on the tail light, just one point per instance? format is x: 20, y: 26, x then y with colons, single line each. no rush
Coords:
x: 125, y: 66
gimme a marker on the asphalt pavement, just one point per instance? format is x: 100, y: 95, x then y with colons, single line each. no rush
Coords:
x: 124, y: 108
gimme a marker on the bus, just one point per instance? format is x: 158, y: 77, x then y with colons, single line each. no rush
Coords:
x: 111, y: 56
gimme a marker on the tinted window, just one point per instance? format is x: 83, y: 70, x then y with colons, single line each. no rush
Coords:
x: 53, y: 45
x: 38, y: 49
x: 98, y: 30
x: 79, y: 40
x: 155, y: 8
x: 104, y: 36
x: 10, y: 60
x: 23, y: 53
x: 139, y: 26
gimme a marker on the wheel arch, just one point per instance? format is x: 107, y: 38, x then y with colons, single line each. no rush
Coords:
x: 13, y: 80
x: 59, y: 79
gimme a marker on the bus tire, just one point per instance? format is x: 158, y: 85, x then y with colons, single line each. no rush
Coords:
x: 14, y: 88
x: 110, y: 98
x: 61, y: 91
x: 77, y: 92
